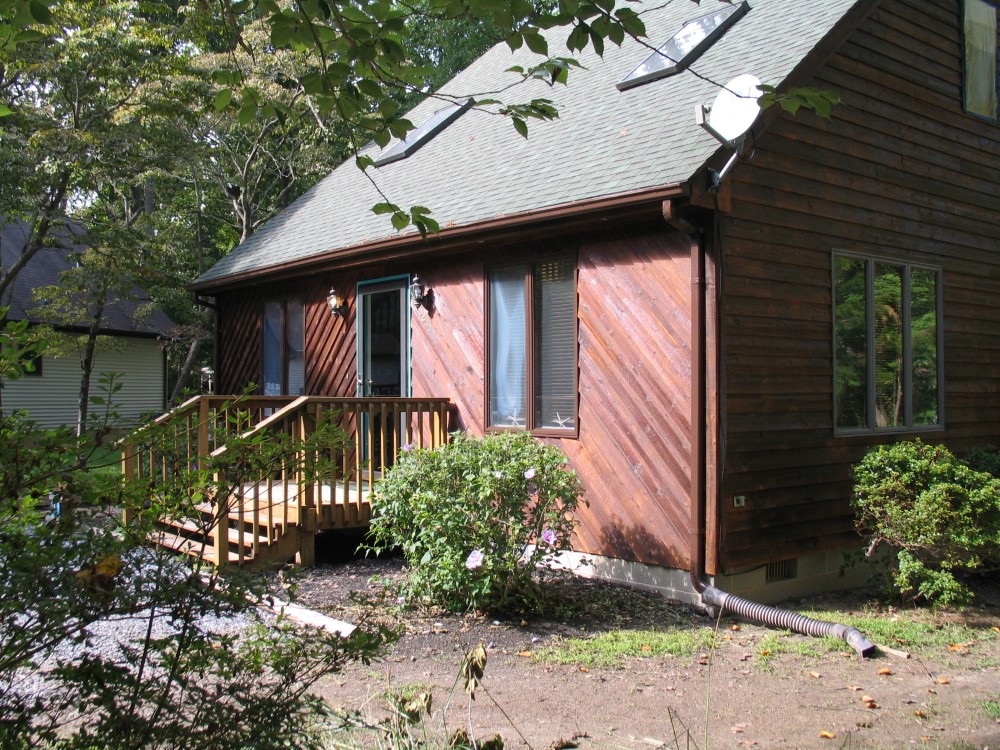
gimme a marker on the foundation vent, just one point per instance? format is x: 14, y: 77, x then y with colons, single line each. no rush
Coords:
x: 781, y: 570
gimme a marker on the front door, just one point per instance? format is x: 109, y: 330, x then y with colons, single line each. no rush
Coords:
x: 383, y: 338
x: 383, y: 363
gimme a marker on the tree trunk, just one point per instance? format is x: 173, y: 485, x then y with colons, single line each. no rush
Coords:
x: 87, y: 366
x: 185, y: 371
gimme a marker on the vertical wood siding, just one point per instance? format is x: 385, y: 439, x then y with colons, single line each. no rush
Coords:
x: 902, y: 172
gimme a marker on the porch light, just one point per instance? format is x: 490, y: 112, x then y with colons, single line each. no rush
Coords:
x: 337, y: 304
x: 420, y: 295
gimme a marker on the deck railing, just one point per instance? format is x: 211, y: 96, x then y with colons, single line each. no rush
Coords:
x: 326, y: 483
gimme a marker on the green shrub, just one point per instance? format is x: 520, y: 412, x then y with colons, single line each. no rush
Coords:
x: 985, y: 459
x: 939, y: 515
x: 475, y: 517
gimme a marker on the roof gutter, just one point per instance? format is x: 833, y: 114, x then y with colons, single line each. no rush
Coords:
x: 711, y: 595
x: 454, y: 239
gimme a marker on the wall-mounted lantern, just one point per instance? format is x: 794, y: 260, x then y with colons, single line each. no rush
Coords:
x: 337, y: 304
x: 420, y: 295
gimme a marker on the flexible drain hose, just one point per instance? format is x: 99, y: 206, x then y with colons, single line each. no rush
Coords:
x: 782, y: 618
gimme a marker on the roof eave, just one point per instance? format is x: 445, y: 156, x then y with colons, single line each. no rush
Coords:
x: 449, y: 238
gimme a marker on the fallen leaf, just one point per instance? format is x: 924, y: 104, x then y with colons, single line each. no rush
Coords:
x: 942, y: 680
x: 920, y: 714
x: 525, y: 654
x: 960, y: 648
x: 646, y: 649
x: 584, y: 669
x: 765, y: 652
x: 814, y: 675
x: 855, y: 688
x: 737, y: 627
x: 925, y: 738
x: 885, y: 671
x: 995, y: 628
x: 827, y: 735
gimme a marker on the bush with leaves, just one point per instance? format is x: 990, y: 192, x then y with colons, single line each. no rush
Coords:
x: 108, y: 643
x: 938, y: 515
x: 475, y: 517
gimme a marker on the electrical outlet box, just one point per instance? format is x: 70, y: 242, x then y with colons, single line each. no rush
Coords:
x: 739, y: 501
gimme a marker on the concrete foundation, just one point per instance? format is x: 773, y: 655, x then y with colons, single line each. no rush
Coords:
x: 813, y: 574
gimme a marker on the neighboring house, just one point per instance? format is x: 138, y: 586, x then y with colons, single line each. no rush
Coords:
x: 711, y: 361
x: 131, y: 343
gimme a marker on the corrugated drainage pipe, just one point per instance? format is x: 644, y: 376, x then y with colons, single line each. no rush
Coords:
x: 712, y: 596
x: 783, y: 618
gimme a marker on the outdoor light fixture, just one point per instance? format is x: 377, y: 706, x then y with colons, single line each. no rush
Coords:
x: 420, y: 295
x: 337, y: 304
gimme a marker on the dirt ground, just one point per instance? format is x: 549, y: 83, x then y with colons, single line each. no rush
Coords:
x: 748, y: 696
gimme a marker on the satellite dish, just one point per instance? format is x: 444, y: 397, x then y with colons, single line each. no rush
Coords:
x: 734, y: 110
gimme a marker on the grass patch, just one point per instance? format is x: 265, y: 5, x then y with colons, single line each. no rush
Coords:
x: 774, y: 644
x: 992, y: 708
x: 610, y: 649
x: 918, y: 631
x: 104, y: 460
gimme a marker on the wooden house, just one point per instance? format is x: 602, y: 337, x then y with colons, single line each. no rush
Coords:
x: 712, y: 359
x: 131, y: 342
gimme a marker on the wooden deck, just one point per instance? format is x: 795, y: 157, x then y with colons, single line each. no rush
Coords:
x: 306, y: 485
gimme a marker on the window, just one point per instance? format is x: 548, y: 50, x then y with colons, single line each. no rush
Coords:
x: 887, y: 345
x: 284, y: 348
x: 531, y: 379
x: 421, y: 134
x: 980, y: 25
x: 685, y: 46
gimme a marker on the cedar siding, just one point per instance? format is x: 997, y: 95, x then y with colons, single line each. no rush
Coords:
x: 634, y: 369
x: 900, y: 172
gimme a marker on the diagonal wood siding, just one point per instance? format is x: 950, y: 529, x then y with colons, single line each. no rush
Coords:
x: 634, y: 371
x: 902, y: 172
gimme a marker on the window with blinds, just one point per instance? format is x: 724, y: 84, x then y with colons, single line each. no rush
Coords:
x: 532, y: 367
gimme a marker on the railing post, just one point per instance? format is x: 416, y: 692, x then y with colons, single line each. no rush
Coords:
x: 220, y: 534
x: 203, y: 416
x: 128, y: 474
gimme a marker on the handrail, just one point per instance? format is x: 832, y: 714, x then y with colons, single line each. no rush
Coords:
x: 376, y: 429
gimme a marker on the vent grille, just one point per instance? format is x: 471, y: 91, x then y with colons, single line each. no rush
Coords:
x: 781, y: 570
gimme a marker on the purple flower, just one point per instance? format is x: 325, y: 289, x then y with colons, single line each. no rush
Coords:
x: 406, y: 447
x: 549, y: 537
x: 474, y: 560
x: 529, y: 474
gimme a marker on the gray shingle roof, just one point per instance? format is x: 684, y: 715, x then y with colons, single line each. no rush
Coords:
x: 606, y: 142
x: 121, y: 316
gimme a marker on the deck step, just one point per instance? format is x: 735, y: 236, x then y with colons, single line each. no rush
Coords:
x: 192, y: 547
x: 188, y: 527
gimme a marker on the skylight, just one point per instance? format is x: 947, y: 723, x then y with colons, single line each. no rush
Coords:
x: 685, y: 46
x: 423, y: 132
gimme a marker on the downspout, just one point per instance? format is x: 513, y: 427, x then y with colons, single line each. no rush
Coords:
x: 711, y: 595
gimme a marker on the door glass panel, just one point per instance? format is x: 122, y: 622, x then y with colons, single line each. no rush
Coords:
x: 382, y: 340
x: 295, y: 346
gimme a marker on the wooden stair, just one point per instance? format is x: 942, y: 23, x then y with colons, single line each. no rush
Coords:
x: 275, y: 519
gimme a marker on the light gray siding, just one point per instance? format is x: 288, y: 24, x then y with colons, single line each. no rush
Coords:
x: 51, y: 398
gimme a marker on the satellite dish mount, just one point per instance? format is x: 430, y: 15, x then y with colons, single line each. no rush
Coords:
x: 730, y: 116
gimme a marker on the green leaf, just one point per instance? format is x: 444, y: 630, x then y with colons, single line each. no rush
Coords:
x: 514, y: 41
x: 40, y: 12
x: 222, y: 99
x: 536, y: 43
x: 5, y: 110
x: 520, y: 126
x: 385, y: 208
x: 247, y: 112
x: 400, y: 220
x: 363, y: 162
